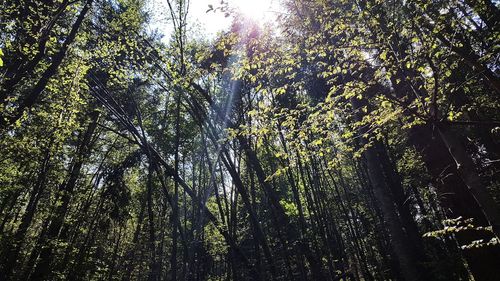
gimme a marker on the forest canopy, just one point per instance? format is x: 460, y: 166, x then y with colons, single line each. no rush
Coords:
x: 306, y: 140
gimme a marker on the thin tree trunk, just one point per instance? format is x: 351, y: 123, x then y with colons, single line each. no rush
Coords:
x: 13, y: 253
x: 43, y: 268
x: 175, y: 208
x: 153, y: 266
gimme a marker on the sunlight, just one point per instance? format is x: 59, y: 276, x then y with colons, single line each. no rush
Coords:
x: 209, y: 23
x: 258, y: 10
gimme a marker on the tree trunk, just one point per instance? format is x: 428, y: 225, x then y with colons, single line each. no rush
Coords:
x: 457, y: 200
x: 400, y: 245
x: 467, y: 171
x: 43, y: 267
x: 13, y: 253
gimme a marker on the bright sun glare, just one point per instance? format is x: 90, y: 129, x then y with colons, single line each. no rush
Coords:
x: 211, y: 22
x: 258, y: 10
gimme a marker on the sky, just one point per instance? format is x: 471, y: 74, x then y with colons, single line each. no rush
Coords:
x: 207, y: 25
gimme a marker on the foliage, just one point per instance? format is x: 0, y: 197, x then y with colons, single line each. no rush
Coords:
x: 323, y: 146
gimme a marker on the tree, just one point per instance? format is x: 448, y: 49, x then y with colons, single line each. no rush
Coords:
x: 357, y: 143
